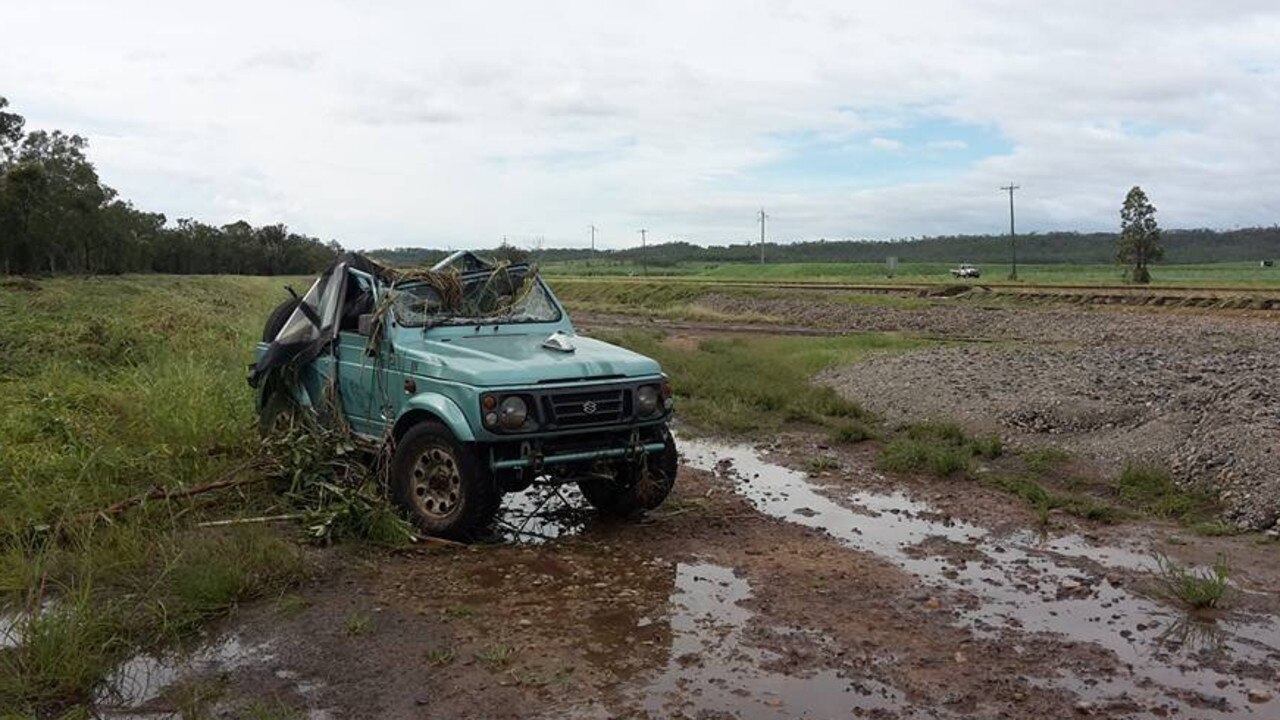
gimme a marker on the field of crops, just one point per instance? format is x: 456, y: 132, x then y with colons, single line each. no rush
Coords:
x: 1243, y: 275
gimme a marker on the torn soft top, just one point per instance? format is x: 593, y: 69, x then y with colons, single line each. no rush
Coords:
x: 314, y: 322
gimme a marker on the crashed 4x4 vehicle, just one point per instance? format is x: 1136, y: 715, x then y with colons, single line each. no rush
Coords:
x: 471, y: 377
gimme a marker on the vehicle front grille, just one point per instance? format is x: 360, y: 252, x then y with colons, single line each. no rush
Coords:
x: 589, y: 407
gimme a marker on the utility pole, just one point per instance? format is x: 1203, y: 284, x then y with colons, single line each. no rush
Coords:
x: 644, y: 258
x: 763, y: 217
x: 593, y: 244
x: 1013, y: 238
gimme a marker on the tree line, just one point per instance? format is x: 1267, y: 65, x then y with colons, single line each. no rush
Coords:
x: 1180, y: 246
x: 57, y: 216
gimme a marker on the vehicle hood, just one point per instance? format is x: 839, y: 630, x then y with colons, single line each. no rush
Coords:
x: 504, y: 359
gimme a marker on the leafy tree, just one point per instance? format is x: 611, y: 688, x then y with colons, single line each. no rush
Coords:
x: 10, y: 132
x: 56, y: 215
x: 1139, y: 236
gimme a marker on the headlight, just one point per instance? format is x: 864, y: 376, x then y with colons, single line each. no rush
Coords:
x: 512, y: 413
x: 647, y: 400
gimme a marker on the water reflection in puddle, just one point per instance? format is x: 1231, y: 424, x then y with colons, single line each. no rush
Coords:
x: 143, y: 678
x: 1023, y: 584
x: 139, y: 684
x: 713, y: 668
x: 542, y: 513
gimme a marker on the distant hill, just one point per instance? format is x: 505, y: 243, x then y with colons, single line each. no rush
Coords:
x: 1181, y: 246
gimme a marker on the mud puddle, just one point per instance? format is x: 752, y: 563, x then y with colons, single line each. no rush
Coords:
x: 542, y: 513
x: 715, y: 668
x: 137, y: 688
x: 1019, y: 584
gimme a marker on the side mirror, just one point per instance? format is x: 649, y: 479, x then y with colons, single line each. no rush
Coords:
x: 366, y: 324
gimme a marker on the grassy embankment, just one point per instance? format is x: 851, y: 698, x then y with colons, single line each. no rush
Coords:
x: 112, y: 387
x: 1242, y: 275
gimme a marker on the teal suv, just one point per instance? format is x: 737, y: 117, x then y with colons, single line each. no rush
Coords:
x: 472, y: 377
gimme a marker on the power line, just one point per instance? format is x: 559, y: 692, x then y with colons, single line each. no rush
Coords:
x: 762, y: 217
x: 644, y: 258
x: 1013, y: 238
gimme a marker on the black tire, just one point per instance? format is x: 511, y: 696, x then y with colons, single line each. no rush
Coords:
x: 277, y: 319
x: 277, y: 412
x: 635, y: 487
x: 441, y: 484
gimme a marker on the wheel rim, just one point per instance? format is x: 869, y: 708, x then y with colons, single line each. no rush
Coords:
x: 437, y: 483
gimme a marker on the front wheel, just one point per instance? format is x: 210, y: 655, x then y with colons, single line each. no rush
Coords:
x: 632, y: 487
x: 441, y: 484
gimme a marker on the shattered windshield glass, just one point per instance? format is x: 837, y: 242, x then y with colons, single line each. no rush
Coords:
x: 505, y: 295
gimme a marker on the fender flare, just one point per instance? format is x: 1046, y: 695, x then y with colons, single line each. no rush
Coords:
x: 442, y: 408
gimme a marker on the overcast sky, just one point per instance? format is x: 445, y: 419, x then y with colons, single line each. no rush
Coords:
x: 452, y: 125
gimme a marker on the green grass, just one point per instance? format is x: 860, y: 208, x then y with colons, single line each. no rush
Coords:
x: 852, y: 430
x: 750, y: 384
x: 359, y: 624
x: 461, y: 611
x: 275, y: 709
x: 114, y: 386
x: 1043, y: 500
x: 906, y: 455
x: 936, y: 448
x: 497, y: 656
x: 1151, y: 489
x: 1043, y: 459
x: 822, y: 463
x: 1197, y: 589
x: 440, y: 657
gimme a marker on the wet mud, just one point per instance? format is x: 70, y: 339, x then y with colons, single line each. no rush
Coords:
x: 757, y: 591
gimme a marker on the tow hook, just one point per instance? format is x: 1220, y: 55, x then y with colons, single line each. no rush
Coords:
x: 533, y: 456
x: 635, y: 448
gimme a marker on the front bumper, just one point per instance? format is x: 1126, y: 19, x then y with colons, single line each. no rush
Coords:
x: 535, y: 455
x: 536, y: 462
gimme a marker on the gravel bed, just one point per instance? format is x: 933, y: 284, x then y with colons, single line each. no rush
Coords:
x: 1198, y: 393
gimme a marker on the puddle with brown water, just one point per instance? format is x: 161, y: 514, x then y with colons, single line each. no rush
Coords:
x: 1026, y: 585
x: 714, y: 668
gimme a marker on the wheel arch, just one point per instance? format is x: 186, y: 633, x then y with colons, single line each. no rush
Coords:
x: 435, y: 407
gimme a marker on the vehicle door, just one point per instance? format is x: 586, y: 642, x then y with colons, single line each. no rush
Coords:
x: 360, y: 379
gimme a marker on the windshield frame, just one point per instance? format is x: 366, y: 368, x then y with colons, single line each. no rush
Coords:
x: 459, y: 321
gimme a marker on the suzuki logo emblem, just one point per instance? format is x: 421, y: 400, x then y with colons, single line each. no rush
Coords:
x: 589, y: 407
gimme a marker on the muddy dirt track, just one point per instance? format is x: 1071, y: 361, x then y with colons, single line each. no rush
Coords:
x: 758, y: 591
